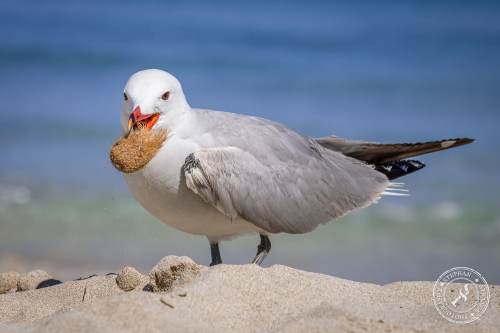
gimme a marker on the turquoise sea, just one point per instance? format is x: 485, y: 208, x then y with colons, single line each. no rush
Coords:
x: 388, y: 71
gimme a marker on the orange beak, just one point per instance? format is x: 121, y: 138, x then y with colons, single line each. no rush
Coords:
x: 136, y: 117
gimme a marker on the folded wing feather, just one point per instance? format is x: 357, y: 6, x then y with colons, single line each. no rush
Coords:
x: 278, y: 196
x: 378, y: 153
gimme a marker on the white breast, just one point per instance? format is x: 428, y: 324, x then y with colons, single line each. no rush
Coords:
x: 159, y: 189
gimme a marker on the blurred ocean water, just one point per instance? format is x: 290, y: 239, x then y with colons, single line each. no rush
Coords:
x: 386, y: 71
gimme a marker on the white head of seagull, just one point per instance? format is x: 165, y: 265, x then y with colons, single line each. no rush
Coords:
x: 154, y: 98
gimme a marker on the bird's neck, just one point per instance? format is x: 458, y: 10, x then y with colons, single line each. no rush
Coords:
x: 174, y: 119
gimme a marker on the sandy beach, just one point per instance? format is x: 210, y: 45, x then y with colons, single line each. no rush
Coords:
x: 182, y: 296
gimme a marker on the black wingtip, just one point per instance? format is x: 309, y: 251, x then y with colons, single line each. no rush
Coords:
x: 398, y: 169
x: 460, y: 141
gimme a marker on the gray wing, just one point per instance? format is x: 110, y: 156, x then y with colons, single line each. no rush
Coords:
x: 279, y: 194
x: 377, y: 153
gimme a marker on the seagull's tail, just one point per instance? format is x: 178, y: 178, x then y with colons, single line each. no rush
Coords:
x: 396, y: 189
x: 390, y: 159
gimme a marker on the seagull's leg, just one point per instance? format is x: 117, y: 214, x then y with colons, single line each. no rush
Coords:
x: 214, y: 251
x: 262, y: 250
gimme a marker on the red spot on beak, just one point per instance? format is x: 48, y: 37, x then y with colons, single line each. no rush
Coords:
x: 138, y: 116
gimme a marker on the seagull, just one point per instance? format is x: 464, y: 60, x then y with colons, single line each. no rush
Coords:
x: 221, y: 174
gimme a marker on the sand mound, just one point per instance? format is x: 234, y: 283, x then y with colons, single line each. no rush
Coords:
x: 35, y: 279
x: 133, y: 152
x: 228, y: 298
x: 8, y: 281
x: 173, y: 271
x: 129, y: 278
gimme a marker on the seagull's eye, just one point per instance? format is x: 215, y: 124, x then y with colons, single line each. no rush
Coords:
x: 165, y: 96
x: 125, y: 97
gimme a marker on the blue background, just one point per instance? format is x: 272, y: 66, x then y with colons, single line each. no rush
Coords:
x: 389, y: 71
